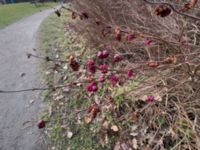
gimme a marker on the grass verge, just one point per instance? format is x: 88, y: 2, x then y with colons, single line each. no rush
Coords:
x: 56, y: 43
x: 10, y: 13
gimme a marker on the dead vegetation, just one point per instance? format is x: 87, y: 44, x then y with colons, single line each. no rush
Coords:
x: 162, y: 48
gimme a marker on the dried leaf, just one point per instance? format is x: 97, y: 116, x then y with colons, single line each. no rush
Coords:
x: 115, y: 128
x: 92, y: 110
x: 189, y: 5
x: 103, y: 137
x: 88, y: 119
x: 105, y: 125
x: 22, y: 74
x: 134, y: 116
x: 162, y: 11
x: 69, y: 134
x: 118, y: 34
x: 135, y: 144
x: 74, y: 63
x: 153, y: 64
x: 57, y: 12
x: 117, y: 146
x: 74, y: 15
x: 170, y: 60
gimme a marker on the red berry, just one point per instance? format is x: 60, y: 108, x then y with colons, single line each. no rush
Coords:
x: 101, y: 78
x: 91, y: 66
x: 92, y: 69
x: 117, y: 58
x: 41, y: 124
x: 104, y: 68
x: 114, y: 79
x: 100, y: 54
x: 130, y: 73
x: 148, y: 42
x: 92, y: 87
x: 90, y: 62
x: 103, y: 54
x: 130, y: 37
x: 150, y: 98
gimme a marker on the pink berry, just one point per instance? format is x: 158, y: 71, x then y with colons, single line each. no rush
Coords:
x: 92, y: 69
x: 150, y: 98
x: 104, y: 68
x: 117, y: 58
x: 90, y: 62
x: 100, y: 54
x: 114, y: 79
x: 91, y: 66
x: 92, y: 87
x: 130, y: 73
x: 148, y: 42
x: 101, y: 78
x: 105, y: 53
x: 130, y: 37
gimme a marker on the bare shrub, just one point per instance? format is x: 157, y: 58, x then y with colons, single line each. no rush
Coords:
x: 164, y: 51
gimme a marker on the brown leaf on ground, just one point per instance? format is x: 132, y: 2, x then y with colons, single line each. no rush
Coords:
x: 115, y: 128
x: 92, y: 110
x: 74, y: 15
x: 103, y: 137
x: 162, y: 11
x: 74, y: 63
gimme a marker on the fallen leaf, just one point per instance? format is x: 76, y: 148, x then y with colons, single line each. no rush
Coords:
x: 105, y: 125
x: 66, y: 89
x: 69, y: 134
x: 134, y: 134
x: 162, y: 11
x: 31, y: 101
x: 88, y: 119
x: 135, y: 144
x: 103, y: 137
x: 124, y: 146
x: 117, y: 146
x: 22, y: 74
x: 59, y: 97
x: 115, y: 128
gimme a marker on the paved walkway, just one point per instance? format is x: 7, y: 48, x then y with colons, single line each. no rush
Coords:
x: 15, y: 109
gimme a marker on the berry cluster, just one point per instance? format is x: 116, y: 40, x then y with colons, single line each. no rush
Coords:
x: 104, y: 74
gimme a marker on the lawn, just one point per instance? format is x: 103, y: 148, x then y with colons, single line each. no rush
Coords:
x: 12, y: 12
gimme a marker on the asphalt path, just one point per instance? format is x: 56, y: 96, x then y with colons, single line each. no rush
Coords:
x: 19, y: 72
